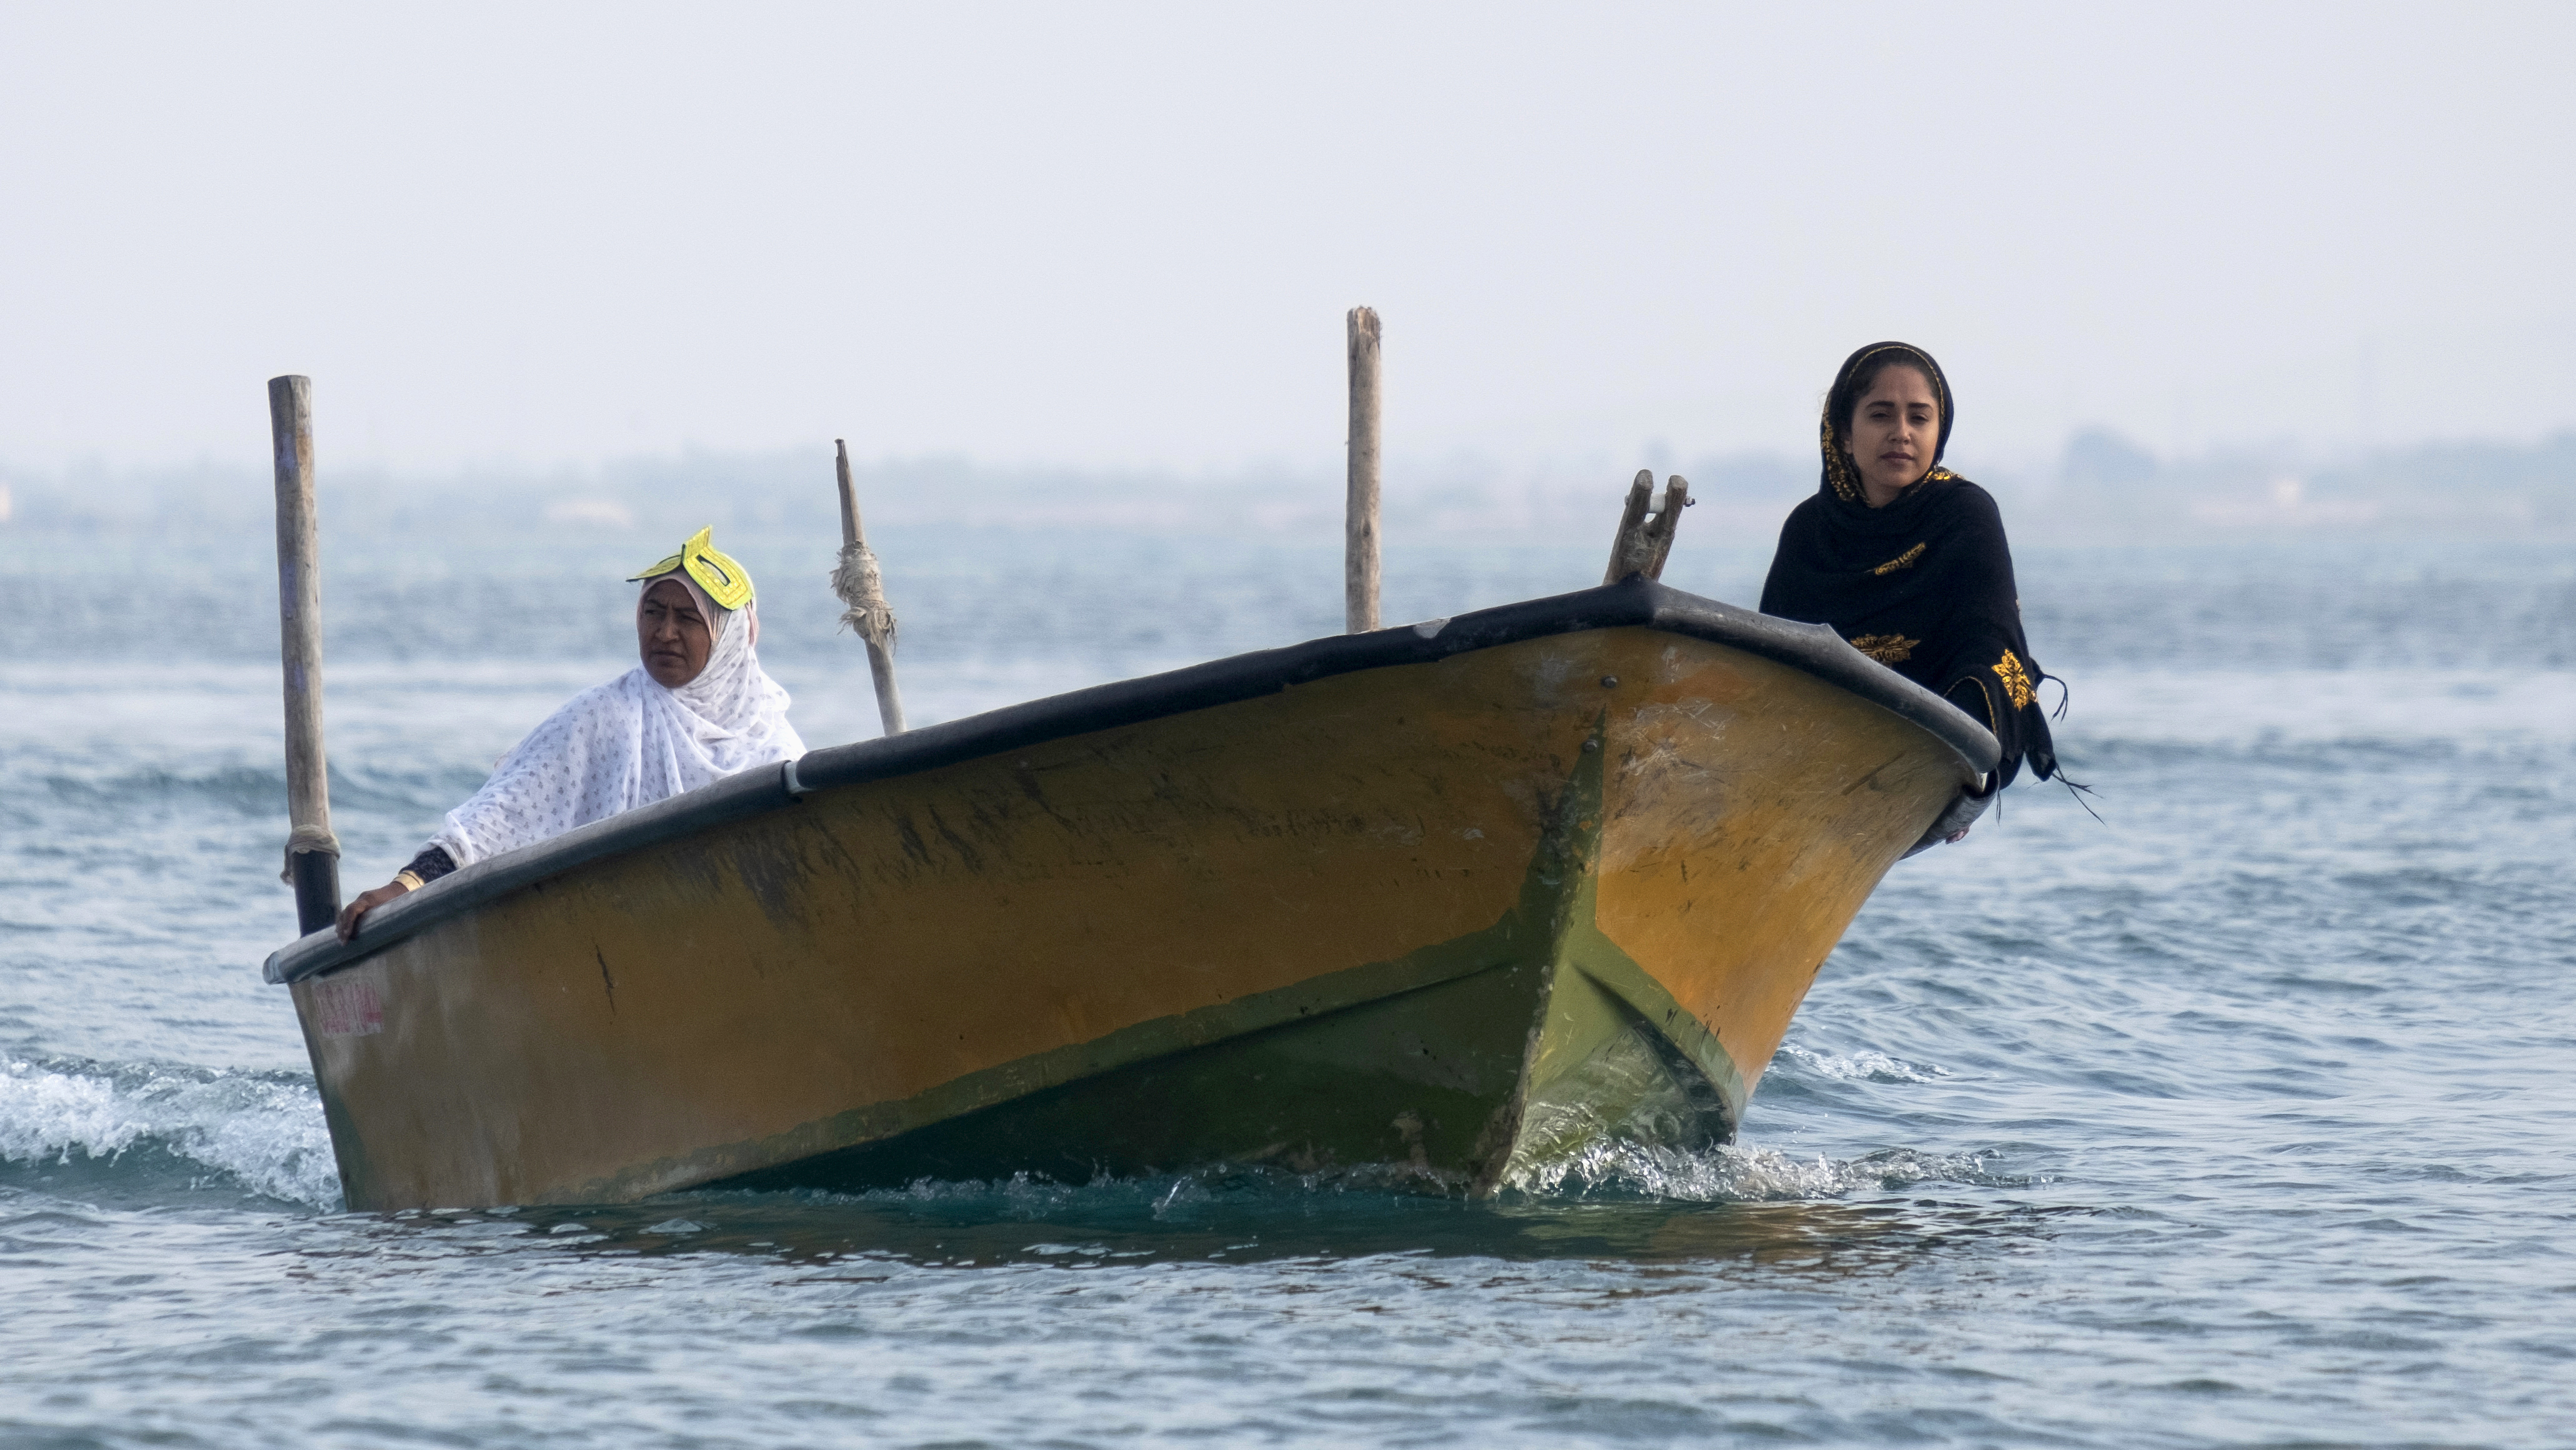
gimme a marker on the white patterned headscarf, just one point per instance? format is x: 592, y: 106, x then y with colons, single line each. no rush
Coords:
x: 632, y: 742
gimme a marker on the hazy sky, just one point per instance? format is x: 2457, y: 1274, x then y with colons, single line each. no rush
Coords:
x: 1116, y: 235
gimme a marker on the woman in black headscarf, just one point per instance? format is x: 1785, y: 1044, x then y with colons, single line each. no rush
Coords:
x: 1907, y: 560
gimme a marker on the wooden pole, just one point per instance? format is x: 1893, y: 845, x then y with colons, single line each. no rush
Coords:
x: 1359, y: 524
x: 1645, y: 541
x: 312, y: 852
x: 1632, y: 523
x: 862, y: 588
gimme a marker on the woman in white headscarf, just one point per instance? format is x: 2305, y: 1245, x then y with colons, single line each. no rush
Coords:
x: 697, y: 709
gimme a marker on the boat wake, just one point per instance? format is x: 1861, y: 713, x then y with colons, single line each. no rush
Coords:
x: 1609, y: 1170
x: 166, y: 1133
x: 161, y: 1130
x: 1735, y: 1174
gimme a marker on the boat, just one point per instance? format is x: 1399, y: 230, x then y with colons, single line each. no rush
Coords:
x: 1447, y: 903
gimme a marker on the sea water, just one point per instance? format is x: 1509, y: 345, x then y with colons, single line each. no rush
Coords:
x: 2245, y: 1114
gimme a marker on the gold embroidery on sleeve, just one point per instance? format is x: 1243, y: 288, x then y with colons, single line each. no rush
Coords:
x: 1901, y: 561
x: 2016, y: 680
x: 1887, y: 649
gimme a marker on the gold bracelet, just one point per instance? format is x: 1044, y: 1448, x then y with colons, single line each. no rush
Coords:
x: 408, y: 879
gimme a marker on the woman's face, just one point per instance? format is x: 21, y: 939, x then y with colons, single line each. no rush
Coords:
x: 1894, y: 430
x: 672, y: 635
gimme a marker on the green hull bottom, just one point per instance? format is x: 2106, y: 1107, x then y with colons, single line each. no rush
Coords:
x: 1465, y: 1085
x: 1532, y: 1042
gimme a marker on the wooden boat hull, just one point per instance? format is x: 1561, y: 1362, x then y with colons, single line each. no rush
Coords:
x: 1458, y: 904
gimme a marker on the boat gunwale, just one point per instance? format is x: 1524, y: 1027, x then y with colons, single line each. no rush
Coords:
x: 1636, y: 602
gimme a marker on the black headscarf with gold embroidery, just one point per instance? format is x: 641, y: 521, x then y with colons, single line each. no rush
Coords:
x: 1924, y: 585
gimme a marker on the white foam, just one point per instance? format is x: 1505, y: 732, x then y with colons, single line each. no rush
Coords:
x: 50, y: 1114
x: 1744, y: 1175
x: 262, y: 1133
x: 1861, y: 1066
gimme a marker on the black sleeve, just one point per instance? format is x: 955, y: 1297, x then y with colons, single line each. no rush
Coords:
x: 431, y: 864
x: 1989, y: 661
x: 1970, y: 697
x: 1777, y: 590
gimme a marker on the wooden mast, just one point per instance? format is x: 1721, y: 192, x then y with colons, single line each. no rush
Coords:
x: 312, y: 852
x: 1359, y: 527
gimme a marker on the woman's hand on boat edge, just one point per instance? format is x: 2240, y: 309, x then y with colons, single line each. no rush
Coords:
x: 367, y: 901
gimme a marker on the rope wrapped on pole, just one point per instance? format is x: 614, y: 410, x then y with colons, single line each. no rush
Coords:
x: 861, y: 587
x: 860, y: 583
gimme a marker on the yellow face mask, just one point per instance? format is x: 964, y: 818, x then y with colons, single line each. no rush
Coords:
x: 727, y: 583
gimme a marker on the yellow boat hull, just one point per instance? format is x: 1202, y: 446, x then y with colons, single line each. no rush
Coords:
x: 1463, y: 913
